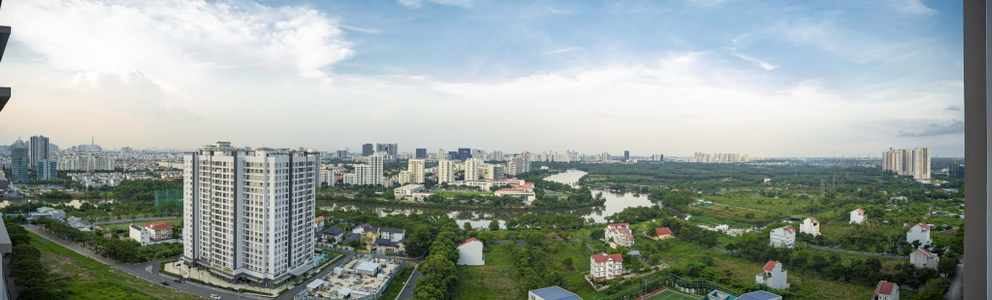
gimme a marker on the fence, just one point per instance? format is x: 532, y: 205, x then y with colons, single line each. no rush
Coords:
x: 172, y: 197
x: 689, y: 286
x: 302, y: 295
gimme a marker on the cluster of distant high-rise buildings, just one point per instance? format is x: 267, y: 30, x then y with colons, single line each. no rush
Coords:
x: 701, y: 157
x: 908, y: 163
x: 45, y: 158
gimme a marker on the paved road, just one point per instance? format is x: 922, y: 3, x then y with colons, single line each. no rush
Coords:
x: 411, y: 284
x: 149, y: 271
x: 956, y: 292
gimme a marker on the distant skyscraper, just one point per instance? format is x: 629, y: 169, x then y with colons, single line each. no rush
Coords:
x: 517, y: 165
x: 416, y: 169
x: 341, y: 153
x: 392, y: 150
x: 445, y: 171
x: 367, y: 150
x: 441, y: 155
x: 626, y: 155
x: 371, y: 173
x: 921, y: 163
x: 421, y: 153
x: 910, y: 163
x: 39, y: 149
x: 47, y: 169
x: 249, y: 213
x: 19, y: 160
x: 452, y: 154
x: 464, y: 153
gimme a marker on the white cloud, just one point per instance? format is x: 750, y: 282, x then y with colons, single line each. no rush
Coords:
x: 562, y: 50
x: 360, y: 29
x: 557, y: 11
x: 914, y: 7
x: 761, y: 63
x: 419, y: 3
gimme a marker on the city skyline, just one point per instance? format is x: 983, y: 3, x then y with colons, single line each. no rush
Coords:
x: 820, y: 79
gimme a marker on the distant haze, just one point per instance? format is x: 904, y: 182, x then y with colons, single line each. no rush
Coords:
x: 772, y: 78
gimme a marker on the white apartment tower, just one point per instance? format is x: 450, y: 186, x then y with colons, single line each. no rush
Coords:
x: 416, y: 169
x: 921, y: 163
x: 445, y: 171
x: 249, y: 213
x: 910, y: 163
x: 371, y: 173
x: 472, y: 169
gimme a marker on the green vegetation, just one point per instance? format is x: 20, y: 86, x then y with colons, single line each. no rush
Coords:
x: 126, y: 251
x: 396, y: 286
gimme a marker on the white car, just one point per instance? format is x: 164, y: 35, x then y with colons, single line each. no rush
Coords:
x: 214, y: 296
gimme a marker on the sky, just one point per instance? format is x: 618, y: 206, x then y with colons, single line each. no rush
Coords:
x: 767, y: 78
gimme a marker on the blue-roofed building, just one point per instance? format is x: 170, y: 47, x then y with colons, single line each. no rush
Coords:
x: 759, y: 295
x: 719, y: 295
x: 552, y: 293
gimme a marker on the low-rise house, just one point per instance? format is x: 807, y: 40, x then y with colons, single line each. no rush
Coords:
x: 406, y: 192
x: 662, y: 233
x: 773, y: 276
x: 784, y: 236
x: 858, y: 216
x: 619, y: 235
x: 333, y: 232
x: 810, y: 226
x: 719, y: 295
x: 604, y: 266
x: 318, y: 223
x: 470, y: 253
x: 919, y: 233
x: 759, y: 295
x: 151, y: 233
x: 368, y: 232
x: 526, y: 195
x: 921, y: 258
x: 391, y: 240
x: 552, y: 293
x: 46, y: 213
x: 886, y: 291
x: 392, y: 234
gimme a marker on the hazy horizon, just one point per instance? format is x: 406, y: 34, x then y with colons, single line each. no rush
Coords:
x: 770, y: 79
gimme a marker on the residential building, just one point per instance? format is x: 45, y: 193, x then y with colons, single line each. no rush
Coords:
x: 518, y: 165
x: 4, y: 182
x: 909, y: 163
x: 494, y: 171
x: 39, y: 150
x: 151, y: 233
x: 886, y: 291
x: 392, y: 234
x: 85, y: 161
x: 416, y: 169
x: 719, y: 295
x: 390, y: 240
x: 604, y: 266
x: 248, y: 212
x: 327, y: 177
x: 921, y: 164
x: 619, y: 234
x: 332, y: 233
x: 773, y: 276
x: 921, y: 258
x: 784, y: 236
x: 526, y: 195
x: 919, y: 233
x: 445, y: 171
x: 441, y: 155
x: 471, y: 167
x: 470, y: 253
x: 759, y: 295
x: 552, y: 293
x: 47, y: 169
x: 421, y: 153
x: 19, y: 160
x: 367, y: 150
x: 662, y: 233
x: 403, y: 177
x: 858, y: 216
x: 318, y: 223
x: 371, y: 173
x: 810, y: 226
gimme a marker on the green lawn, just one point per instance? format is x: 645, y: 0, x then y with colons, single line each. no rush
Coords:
x: 84, y: 278
x: 671, y: 295
x: 396, y: 286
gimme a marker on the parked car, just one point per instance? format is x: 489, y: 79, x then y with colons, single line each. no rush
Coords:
x: 214, y: 296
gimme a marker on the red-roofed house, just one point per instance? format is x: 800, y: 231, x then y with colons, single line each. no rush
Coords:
x: 784, y: 236
x: 318, y: 223
x: 470, y: 253
x: 921, y: 258
x: 159, y: 231
x: 920, y: 233
x: 773, y: 276
x: 662, y: 233
x: 604, y: 266
x: 151, y: 233
x: 886, y: 291
x: 619, y: 234
x: 810, y: 226
x: 858, y: 216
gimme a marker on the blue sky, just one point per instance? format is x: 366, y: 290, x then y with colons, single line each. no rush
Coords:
x: 768, y: 78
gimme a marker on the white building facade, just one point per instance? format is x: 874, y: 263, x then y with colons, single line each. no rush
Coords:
x: 919, y: 233
x: 784, y: 236
x: 470, y: 253
x: 858, y: 216
x: 445, y: 171
x: 773, y: 276
x: 249, y: 213
x: 604, y: 266
x: 416, y: 169
x: 810, y: 226
x: 921, y: 258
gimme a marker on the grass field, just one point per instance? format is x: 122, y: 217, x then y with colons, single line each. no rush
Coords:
x: 84, y: 278
x: 396, y: 286
x: 123, y: 226
x: 671, y: 295
x: 498, y: 280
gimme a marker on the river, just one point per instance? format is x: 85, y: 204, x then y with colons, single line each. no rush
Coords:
x: 615, y: 202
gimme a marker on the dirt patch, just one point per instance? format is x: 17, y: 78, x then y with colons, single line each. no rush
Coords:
x: 64, y: 266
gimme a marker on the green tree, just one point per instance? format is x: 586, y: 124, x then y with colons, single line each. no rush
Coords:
x: 494, y: 225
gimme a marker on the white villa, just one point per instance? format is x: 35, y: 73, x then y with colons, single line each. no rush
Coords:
x: 858, y: 216
x: 470, y: 253
x: 784, y: 236
x: 886, y: 291
x: 919, y: 232
x: 604, y: 266
x: 773, y: 276
x: 810, y: 226
x: 151, y: 233
x: 921, y: 258
x: 619, y: 234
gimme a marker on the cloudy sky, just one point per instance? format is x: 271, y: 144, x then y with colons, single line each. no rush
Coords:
x: 768, y: 78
